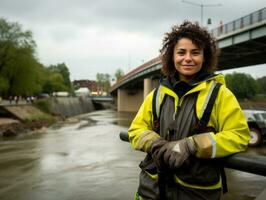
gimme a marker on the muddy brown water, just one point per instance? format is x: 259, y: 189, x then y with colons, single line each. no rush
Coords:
x: 85, y: 160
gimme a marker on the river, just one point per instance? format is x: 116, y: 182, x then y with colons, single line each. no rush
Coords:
x: 84, y: 159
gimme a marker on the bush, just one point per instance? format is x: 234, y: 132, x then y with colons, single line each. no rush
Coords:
x: 44, y: 105
x: 242, y: 85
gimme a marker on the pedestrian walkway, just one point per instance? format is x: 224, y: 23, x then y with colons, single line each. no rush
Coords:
x: 6, y: 103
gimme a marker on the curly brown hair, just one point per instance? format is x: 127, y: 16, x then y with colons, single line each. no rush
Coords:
x: 199, y: 36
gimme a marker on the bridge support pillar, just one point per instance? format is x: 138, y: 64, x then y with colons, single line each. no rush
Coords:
x: 129, y: 100
x: 147, y: 86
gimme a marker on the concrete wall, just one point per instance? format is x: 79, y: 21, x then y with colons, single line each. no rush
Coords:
x: 64, y: 106
x: 129, y: 100
x: 71, y: 106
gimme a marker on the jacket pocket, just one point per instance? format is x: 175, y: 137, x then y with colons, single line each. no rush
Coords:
x: 198, y: 171
x: 148, y: 179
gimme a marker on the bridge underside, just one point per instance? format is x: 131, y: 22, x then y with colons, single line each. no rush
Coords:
x: 241, y: 50
x: 244, y: 47
x: 245, y: 54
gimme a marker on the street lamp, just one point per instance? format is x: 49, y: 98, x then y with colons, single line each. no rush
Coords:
x: 201, y: 7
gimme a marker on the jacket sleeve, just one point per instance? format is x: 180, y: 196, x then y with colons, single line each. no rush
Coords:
x: 232, y: 129
x: 141, y: 134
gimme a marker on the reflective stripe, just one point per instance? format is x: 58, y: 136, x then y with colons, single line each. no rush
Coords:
x: 207, y: 99
x: 157, y: 101
x: 211, y: 187
x: 153, y: 176
x: 213, y: 146
x: 145, y: 140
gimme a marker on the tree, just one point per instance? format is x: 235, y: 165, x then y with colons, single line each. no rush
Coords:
x: 19, y: 69
x: 118, y: 74
x: 53, y: 82
x: 62, y: 69
x: 103, y: 81
x: 242, y: 85
x: 261, y: 83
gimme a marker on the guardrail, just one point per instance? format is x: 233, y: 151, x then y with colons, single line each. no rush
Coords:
x: 255, y: 17
x: 245, y: 162
x: 102, y: 99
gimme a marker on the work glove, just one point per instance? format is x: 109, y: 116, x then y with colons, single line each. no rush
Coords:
x: 175, y: 153
x: 155, y: 148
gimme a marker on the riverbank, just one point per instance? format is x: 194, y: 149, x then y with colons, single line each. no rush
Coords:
x: 23, y: 117
x: 28, y: 118
x: 17, y: 119
x: 11, y: 127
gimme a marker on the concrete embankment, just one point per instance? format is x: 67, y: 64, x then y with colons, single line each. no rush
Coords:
x: 15, y: 119
x: 71, y: 106
x: 25, y: 112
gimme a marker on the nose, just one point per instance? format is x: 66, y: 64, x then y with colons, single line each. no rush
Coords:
x: 188, y: 57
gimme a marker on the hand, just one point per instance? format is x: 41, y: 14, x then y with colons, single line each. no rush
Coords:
x: 155, y: 148
x: 176, y: 152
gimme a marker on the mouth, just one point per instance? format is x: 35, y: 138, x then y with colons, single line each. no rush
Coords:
x: 188, y: 66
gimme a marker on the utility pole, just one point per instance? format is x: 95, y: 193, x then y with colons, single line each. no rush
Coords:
x: 201, y: 8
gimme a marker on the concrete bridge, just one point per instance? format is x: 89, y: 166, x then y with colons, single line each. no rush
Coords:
x: 242, y: 43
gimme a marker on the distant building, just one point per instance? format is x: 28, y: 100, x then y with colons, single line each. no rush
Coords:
x: 83, y: 91
x: 91, y: 85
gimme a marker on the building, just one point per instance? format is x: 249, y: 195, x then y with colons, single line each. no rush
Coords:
x: 91, y: 85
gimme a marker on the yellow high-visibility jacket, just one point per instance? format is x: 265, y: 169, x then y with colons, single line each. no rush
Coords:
x: 227, y: 118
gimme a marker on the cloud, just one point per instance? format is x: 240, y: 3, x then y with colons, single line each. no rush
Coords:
x: 104, y: 35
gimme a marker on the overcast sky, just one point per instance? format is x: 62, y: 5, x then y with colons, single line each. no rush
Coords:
x: 92, y: 36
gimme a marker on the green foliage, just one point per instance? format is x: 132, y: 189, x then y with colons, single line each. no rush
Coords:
x: 44, y: 105
x: 242, y: 85
x: 3, y: 83
x: 62, y: 69
x: 44, y: 118
x: 20, y: 71
x: 261, y: 82
x: 118, y: 74
x: 54, y: 82
x: 19, y: 68
x: 103, y: 81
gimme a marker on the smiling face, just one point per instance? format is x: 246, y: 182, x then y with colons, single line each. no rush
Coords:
x: 188, y: 59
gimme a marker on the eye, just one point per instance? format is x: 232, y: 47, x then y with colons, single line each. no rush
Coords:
x: 196, y: 53
x: 180, y: 53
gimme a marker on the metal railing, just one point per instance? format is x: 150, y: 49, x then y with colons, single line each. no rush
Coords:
x: 243, y: 22
x: 127, y: 77
x: 245, y: 162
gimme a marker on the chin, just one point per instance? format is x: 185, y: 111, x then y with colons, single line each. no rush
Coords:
x: 190, y: 73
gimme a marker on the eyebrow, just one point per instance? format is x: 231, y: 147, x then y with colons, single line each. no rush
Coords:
x: 197, y: 49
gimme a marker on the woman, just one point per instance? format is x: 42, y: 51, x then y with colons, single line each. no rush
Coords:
x: 182, y: 154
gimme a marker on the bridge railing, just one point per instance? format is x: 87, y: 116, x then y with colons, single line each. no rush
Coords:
x: 222, y: 30
x: 136, y: 71
x: 243, y: 22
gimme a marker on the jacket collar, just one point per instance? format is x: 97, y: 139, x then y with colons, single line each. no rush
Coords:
x: 198, y: 83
